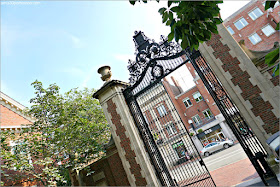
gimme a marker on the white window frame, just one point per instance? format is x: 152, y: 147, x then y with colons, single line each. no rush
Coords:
x: 240, y: 22
x: 13, y: 144
x: 230, y: 30
x: 199, y: 98
x: 253, y: 15
x: 195, y: 119
x: 268, y: 25
x: 146, y: 119
x: 186, y: 103
x: 171, y: 129
x: 207, y: 116
x: 161, y: 110
x: 257, y: 41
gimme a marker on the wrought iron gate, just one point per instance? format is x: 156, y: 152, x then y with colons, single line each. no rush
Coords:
x: 168, y: 143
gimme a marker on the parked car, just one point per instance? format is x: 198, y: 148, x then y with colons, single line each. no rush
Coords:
x: 274, y: 144
x: 215, y: 146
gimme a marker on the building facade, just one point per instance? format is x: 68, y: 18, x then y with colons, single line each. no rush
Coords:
x: 12, y: 118
x: 199, y: 112
x: 254, y: 25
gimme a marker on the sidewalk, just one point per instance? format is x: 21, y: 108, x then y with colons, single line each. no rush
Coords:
x: 241, y: 174
x: 256, y: 182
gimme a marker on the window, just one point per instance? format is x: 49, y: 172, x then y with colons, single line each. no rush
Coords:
x: 171, y: 129
x: 145, y: 117
x: 254, y: 38
x: 241, y: 23
x: 208, y: 114
x: 197, y: 96
x: 268, y: 30
x: 161, y: 110
x: 18, y: 147
x: 230, y: 30
x: 255, y: 13
x: 187, y: 102
x: 180, y: 149
x: 196, y: 119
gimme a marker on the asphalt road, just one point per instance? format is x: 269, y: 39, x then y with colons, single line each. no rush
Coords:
x: 225, y: 157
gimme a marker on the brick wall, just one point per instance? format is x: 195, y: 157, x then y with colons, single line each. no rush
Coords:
x: 10, y: 118
x: 125, y: 143
x: 241, y: 78
x: 108, y: 171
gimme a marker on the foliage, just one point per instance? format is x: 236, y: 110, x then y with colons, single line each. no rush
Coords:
x: 191, y: 134
x: 191, y: 22
x: 69, y: 131
x: 199, y: 130
x: 272, y: 58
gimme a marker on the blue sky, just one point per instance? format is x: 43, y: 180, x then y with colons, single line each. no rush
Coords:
x: 65, y: 42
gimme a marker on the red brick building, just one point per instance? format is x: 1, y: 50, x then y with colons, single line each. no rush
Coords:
x: 254, y: 25
x: 12, y: 118
x: 197, y: 105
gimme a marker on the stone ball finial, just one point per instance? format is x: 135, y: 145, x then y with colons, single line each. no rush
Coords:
x: 105, y: 72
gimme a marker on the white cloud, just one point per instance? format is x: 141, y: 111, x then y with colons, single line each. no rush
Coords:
x: 76, y: 41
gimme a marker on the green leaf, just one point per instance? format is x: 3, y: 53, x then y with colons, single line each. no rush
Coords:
x: 176, y: 34
x: 271, y: 58
x: 161, y: 10
x: 169, y: 3
x: 170, y: 36
x: 184, y: 43
x: 170, y: 15
x: 164, y: 17
x: 132, y: 2
x: 175, y: 9
x: 172, y: 23
x: 168, y: 22
x: 269, y: 4
x: 277, y: 27
x: 275, y: 70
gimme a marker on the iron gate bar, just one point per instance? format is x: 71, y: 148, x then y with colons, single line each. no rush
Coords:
x: 156, y: 158
x: 154, y: 62
x: 191, y: 170
x: 225, y: 103
x: 201, y: 162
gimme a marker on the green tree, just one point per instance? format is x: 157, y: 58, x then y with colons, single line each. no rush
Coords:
x: 69, y: 131
x: 193, y: 22
x: 272, y: 58
x: 190, y: 22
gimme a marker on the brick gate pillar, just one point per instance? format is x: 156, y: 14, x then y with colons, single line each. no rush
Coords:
x: 130, y: 146
x: 254, y: 94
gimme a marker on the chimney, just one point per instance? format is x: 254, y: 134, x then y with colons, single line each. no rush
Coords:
x: 177, y: 84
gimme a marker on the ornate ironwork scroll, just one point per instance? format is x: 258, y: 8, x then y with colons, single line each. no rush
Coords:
x: 149, y: 54
x: 153, y: 62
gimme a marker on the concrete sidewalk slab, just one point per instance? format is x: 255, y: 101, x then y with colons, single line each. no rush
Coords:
x: 235, y: 173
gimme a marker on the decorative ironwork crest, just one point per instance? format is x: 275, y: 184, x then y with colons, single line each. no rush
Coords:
x: 147, y: 54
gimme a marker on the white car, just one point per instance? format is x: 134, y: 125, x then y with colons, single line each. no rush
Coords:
x: 215, y: 146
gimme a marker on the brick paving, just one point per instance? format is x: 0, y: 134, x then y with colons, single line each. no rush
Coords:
x: 234, y: 173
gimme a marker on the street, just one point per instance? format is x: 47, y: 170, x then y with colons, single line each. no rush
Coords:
x: 224, y: 157
x: 227, y: 167
x: 230, y: 167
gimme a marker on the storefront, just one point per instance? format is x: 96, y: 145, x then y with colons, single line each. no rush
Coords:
x: 212, y: 134
x: 180, y: 149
